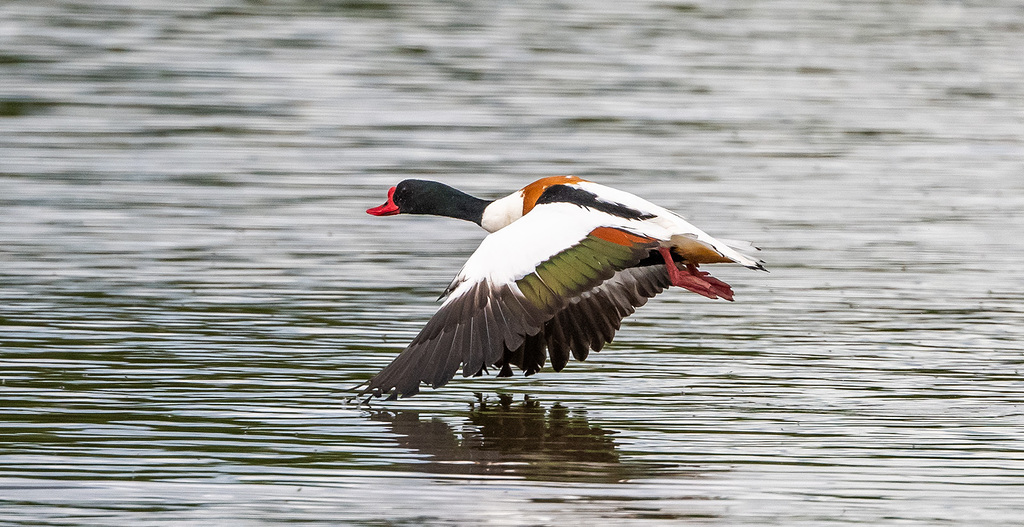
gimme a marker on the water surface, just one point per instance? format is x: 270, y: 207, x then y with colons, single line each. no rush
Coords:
x: 189, y: 286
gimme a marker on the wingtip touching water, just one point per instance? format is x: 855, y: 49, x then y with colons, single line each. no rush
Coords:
x: 566, y: 261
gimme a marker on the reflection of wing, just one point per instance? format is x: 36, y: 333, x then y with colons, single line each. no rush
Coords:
x: 529, y: 287
x: 500, y: 436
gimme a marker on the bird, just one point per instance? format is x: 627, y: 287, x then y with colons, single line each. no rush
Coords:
x: 564, y: 262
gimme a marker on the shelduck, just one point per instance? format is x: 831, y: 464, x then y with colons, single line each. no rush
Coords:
x: 565, y: 261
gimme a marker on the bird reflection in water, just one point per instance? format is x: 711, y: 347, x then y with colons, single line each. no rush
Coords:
x: 504, y: 438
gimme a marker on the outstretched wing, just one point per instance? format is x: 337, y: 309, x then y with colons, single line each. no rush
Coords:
x: 516, y: 283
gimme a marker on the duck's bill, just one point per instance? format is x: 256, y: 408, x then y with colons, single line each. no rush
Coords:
x: 387, y: 209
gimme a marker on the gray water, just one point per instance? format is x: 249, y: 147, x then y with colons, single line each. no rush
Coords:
x: 189, y: 284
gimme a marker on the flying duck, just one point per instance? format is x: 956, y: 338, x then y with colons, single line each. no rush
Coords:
x: 565, y: 261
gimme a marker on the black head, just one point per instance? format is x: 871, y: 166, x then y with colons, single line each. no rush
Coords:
x: 417, y: 196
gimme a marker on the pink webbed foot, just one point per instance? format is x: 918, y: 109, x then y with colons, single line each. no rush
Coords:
x: 693, y: 279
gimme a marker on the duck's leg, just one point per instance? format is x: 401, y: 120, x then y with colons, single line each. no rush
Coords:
x: 693, y: 279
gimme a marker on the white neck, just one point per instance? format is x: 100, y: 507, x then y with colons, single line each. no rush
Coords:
x: 502, y: 212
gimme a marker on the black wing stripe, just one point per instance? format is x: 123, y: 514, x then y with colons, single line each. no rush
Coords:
x: 481, y: 337
x: 506, y: 331
x: 573, y: 320
x: 558, y: 348
x: 436, y: 359
x: 533, y: 354
x: 587, y: 199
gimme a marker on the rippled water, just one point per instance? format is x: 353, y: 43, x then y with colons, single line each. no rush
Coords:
x: 189, y: 285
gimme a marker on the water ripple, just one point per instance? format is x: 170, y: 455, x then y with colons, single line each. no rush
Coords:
x: 189, y: 288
